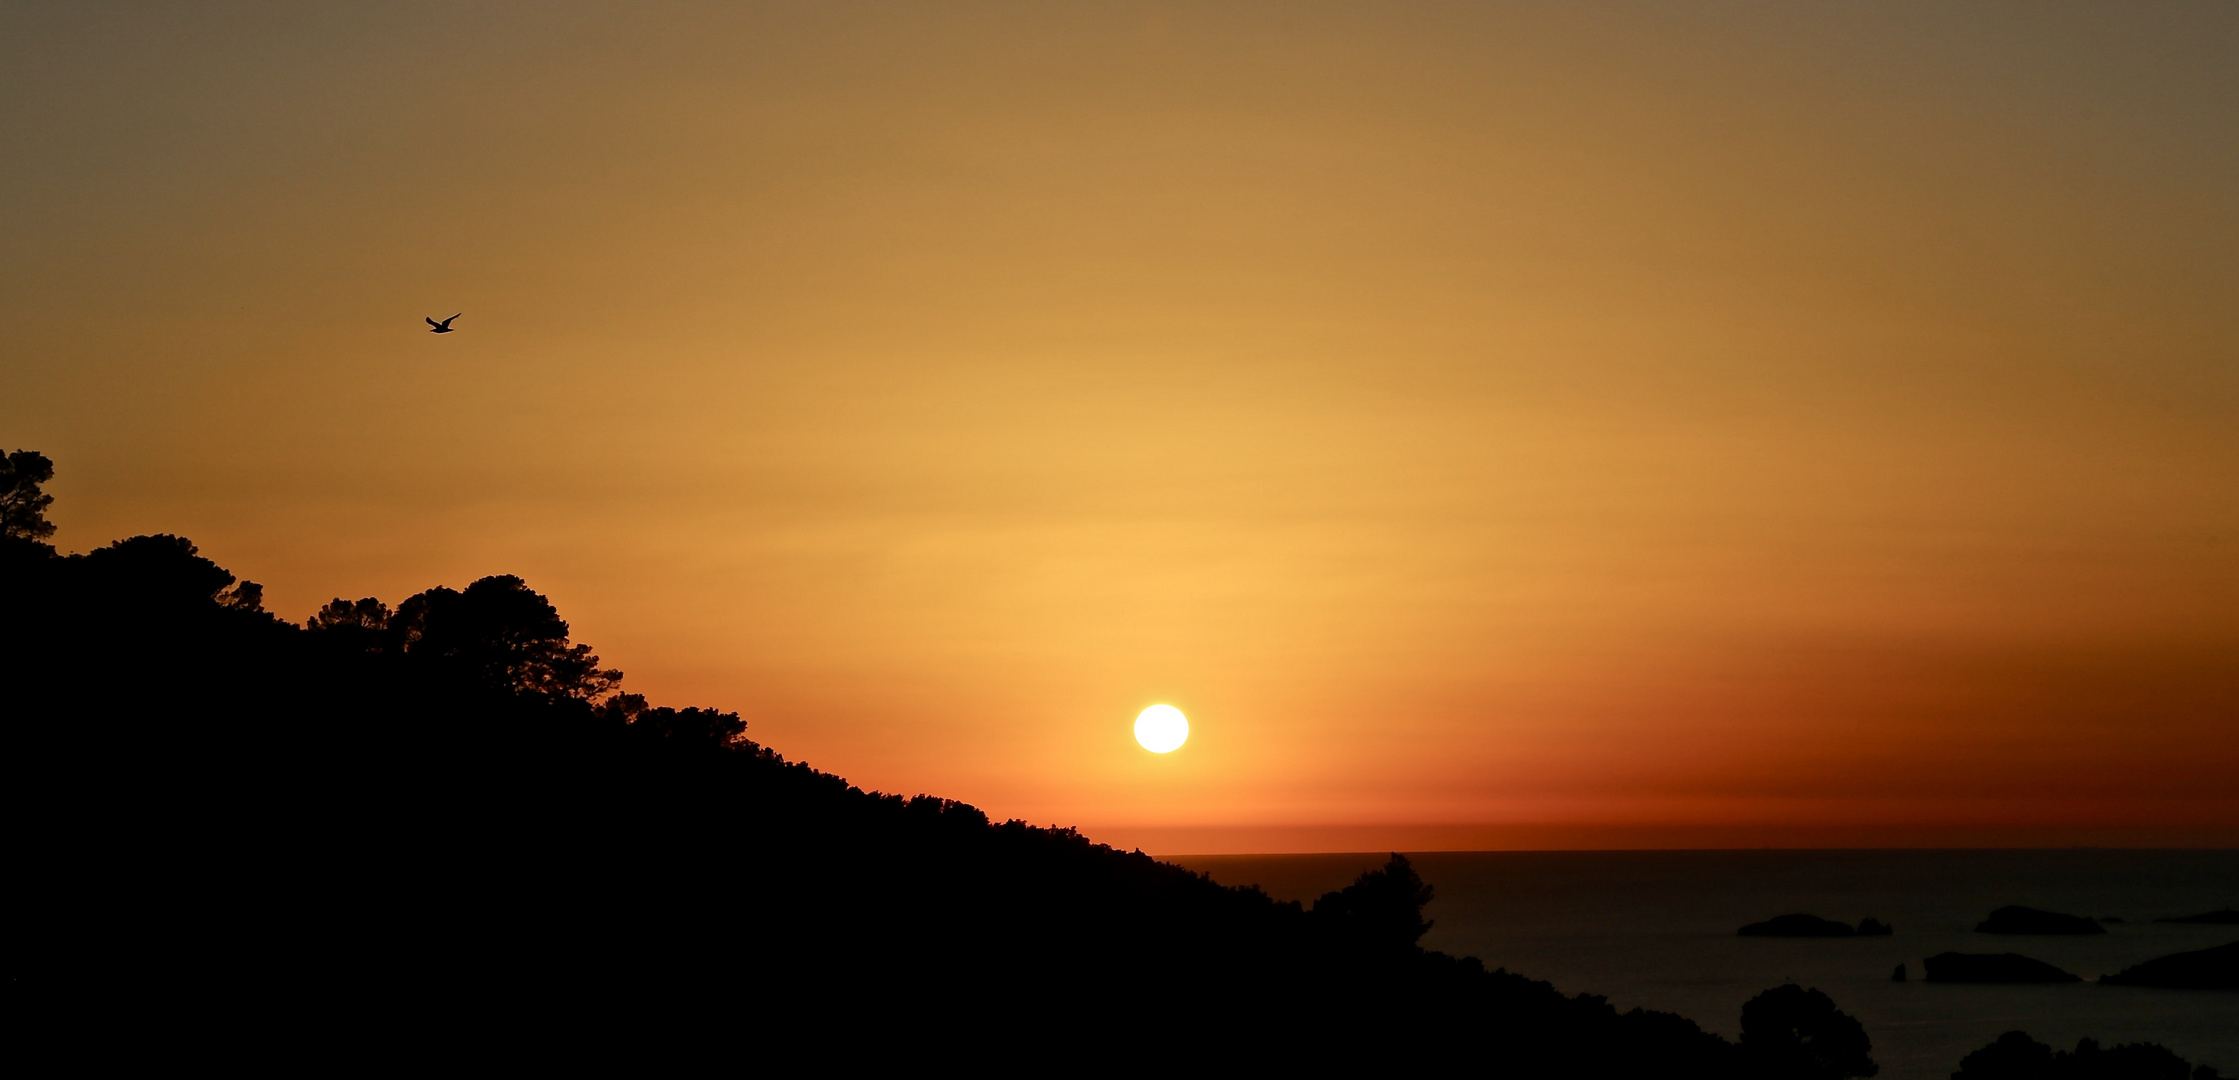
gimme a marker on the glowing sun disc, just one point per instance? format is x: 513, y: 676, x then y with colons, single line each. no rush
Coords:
x: 1161, y: 729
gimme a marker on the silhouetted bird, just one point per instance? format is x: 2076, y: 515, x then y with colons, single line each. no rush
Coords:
x: 443, y: 327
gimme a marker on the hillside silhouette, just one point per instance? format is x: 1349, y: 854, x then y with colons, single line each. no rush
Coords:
x: 443, y: 828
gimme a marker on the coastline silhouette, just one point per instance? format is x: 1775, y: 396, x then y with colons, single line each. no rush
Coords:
x: 444, y: 823
x: 2015, y: 919
x: 2218, y: 917
x: 2200, y: 969
x: 1809, y: 926
x: 1960, y: 967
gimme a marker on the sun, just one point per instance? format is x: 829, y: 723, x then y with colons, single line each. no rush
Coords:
x: 1162, y: 729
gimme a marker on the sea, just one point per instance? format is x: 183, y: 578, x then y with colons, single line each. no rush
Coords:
x: 1656, y: 929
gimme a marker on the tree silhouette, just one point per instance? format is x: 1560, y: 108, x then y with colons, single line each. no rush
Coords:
x: 163, y: 572
x: 694, y: 727
x: 504, y: 633
x: 1382, y: 909
x: 23, y: 507
x: 245, y: 595
x: 367, y: 614
x: 2013, y: 1056
x: 1797, y: 1034
x: 2123, y: 1061
x: 2016, y: 1056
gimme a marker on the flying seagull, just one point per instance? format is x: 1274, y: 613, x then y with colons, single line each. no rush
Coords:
x: 443, y: 327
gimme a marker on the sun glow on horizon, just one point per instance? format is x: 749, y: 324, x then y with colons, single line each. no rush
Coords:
x: 1524, y: 425
x: 1162, y: 729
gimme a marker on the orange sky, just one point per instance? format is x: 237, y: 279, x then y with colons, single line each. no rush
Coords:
x: 1494, y: 425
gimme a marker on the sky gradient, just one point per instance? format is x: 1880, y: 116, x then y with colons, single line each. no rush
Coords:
x: 1494, y: 425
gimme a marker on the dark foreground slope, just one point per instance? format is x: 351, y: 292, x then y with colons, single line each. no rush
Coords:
x: 438, y: 830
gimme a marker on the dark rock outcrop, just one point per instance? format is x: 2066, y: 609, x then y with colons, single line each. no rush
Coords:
x: 2202, y: 969
x: 2218, y: 917
x: 2015, y: 919
x: 1992, y: 968
x: 1872, y: 927
x: 1798, y: 926
x: 1898, y: 975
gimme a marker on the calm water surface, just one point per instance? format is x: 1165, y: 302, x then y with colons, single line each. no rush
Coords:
x: 1656, y: 929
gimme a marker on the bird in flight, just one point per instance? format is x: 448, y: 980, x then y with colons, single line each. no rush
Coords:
x: 443, y: 327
